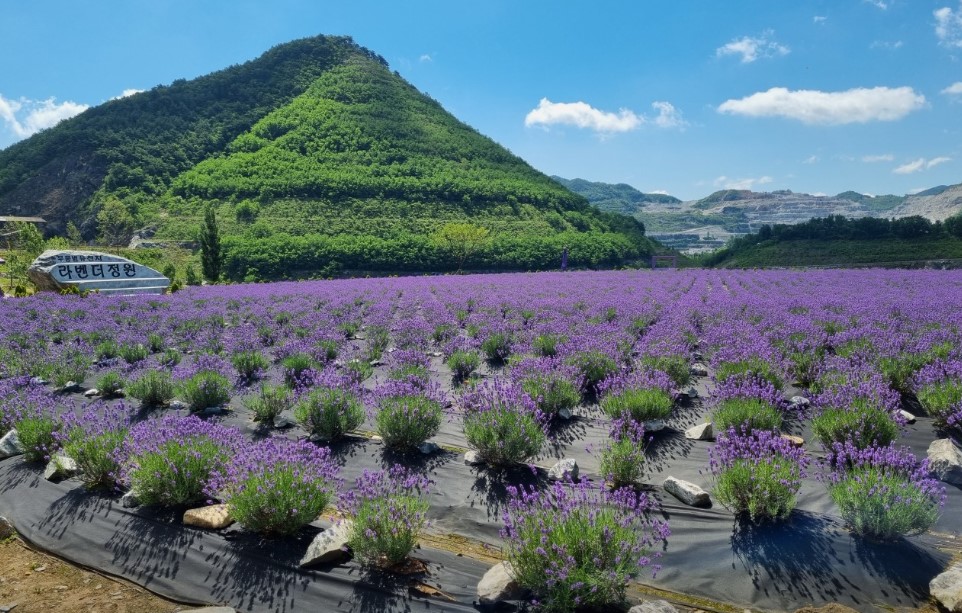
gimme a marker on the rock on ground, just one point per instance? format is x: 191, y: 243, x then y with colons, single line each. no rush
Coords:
x: 328, y: 546
x: 60, y: 467
x: 211, y: 610
x: 473, y: 458
x: 699, y: 370
x: 799, y: 401
x: 829, y: 608
x: 564, y: 470
x: 654, y: 425
x: 10, y: 445
x: 213, y: 517
x: 498, y: 585
x: 945, y: 461
x: 129, y: 501
x: 6, y: 528
x: 947, y: 589
x: 796, y: 441
x: 687, y: 492
x: 701, y: 432
x: 654, y: 606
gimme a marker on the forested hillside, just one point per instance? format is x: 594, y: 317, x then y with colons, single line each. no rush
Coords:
x: 316, y: 157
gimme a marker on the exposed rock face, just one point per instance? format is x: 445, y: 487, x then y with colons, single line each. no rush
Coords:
x: 328, y: 546
x: 701, y: 432
x: 91, y: 270
x: 497, y: 585
x: 565, y: 470
x: 60, y: 467
x: 10, y: 445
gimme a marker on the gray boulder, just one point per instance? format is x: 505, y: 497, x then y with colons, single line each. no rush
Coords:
x: 472, y: 458
x: 655, y: 425
x: 427, y: 448
x: 6, y: 528
x: 10, y: 445
x: 947, y: 589
x: 497, y: 585
x: 564, y: 470
x: 701, y: 432
x: 129, y: 501
x: 328, y: 546
x: 945, y: 461
x: 60, y: 467
x: 699, y: 370
x: 687, y: 492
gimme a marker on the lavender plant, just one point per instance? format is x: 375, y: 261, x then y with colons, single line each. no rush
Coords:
x: 883, y: 492
x: 576, y: 548
x: 206, y: 389
x: 502, y: 423
x: 550, y: 383
x: 170, y: 461
x: 463, y: 363
x: 296, y: 366
x: 749, y: 368
x: 249, y: 364
x: 269, y: 402
x: 407, y: 415
x: 93, y: 439
x: 276, y: 486
x: 757, y: 474
x: 746, y: 414
x: 388, y: 512
x: 330, y: 410
x: 863, y: 424
x: 623, y: 456
x: 110, y: 384
x: 153, y: 388
x: 593, y: 366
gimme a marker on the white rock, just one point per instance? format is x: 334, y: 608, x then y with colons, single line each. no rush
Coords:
x: 565, y: 414
x: 654, y: 606
x: 692, y: 392
x: 328, y: 546
x: 908, y: 417
x: 209, y: 411
x: 284, y: 420
x: 377, y: 438
x: 10, y: 445
x: 945, y: 461
x: 654, y: 425
x: 178, y: 405
x: 91, y: 393
x: 428, y: 448
x: 213, y: 517
x: 472, y: 458
x: 38, y: 381
x: 60, y: 467
x: 70, y: 386
x: 497, y: 585
x: 799, y: 401
x: 689, y: 493
x: 947, y: 589
x: 565, y: 470
x: 699, y: 370
x: 6, y: 528
x: 129, y: 501
x: 701, y: 432
x: 376, y: 363
x: 796, y: 441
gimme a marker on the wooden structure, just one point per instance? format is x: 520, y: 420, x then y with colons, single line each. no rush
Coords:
x: 671, y: 260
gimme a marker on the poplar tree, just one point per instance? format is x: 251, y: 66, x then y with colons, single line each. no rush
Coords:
x: 210, y: 255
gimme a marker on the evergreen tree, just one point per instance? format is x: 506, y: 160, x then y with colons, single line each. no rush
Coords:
x: 210, y: 254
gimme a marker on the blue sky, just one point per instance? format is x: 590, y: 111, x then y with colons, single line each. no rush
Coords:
x: 683, y: 96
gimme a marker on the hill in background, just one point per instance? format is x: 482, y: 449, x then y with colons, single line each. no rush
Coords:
x: 317, y: 158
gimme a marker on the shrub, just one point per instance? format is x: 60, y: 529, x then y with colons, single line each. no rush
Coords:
x: 463, y: 363
x: 623, y: 457
x: 863, y: 424
x: 883, y: 492
x: 156, y: 343
x: 593, y: 367
x: 249, y: 364
x: 549, y: 383
x: 170, y: 358
x: 206, y: 389
x: 751, y: 368
x: 295, y: 366
x: 277, y: 486
x: 358, y: 370
x: 93, y: 439
x: 133, y: 353
x: 170, y: 461
x: 640, y: 405
x: 503, y: 423
x: 388, y: 511
x: 745, y: 414
x: 378, y: 338
x: 546, y: 345
x: 675, y: 366
x: 269, y: 402
x: 330, y: 412
x: 497, y: 347
x: 407, y: 415
x: 106, y: 350
x: 37, y: 430
x: 72, y: 365
x: 576, y: 548
x: 941, y: 399
x: 757, y: 474
x: 110, y: 384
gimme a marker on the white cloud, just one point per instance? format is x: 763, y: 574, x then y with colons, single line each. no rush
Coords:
x: 751, y: 48
x: 953, y: 90
x: 858, y: 105
x: 583, y: 115
x: 126, y: 93
x: 663, y: 192
x: 812, y: 159
x: 948, y: 26
x: 871, y: 159
x: 886, y: 44
x: 727, y: 183
x: 880, y: 4
x: 668, y: 116
x: 819, y: 19
x: 26, y: 117
x: 425, y: 58
x: 920, y: 164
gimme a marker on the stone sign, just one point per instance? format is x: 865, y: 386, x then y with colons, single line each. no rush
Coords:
x: 93, y: 271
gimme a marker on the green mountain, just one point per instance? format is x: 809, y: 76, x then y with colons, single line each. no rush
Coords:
x: 615, y: 197
x: 316, y: 157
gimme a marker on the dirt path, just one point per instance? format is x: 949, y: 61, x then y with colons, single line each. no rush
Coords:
x: 35, y: 582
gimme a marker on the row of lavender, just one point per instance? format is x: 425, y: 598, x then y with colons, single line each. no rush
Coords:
x: 545, y: 345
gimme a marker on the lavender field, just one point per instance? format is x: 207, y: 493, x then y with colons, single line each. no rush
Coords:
x: 448, y: 411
